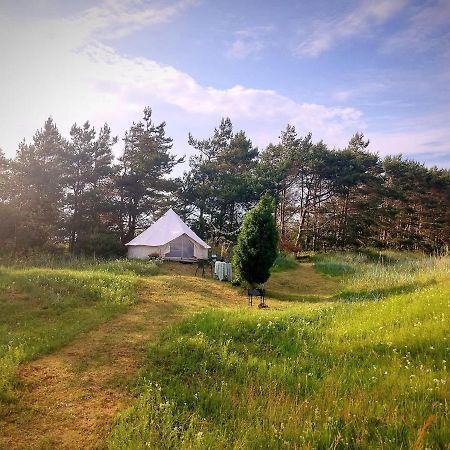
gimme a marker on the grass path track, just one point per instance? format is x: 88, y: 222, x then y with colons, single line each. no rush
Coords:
x: 68, y: 398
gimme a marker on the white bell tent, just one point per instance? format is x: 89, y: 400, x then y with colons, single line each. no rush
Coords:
x: 170, y: 238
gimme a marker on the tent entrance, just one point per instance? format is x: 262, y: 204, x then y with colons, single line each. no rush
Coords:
x: 181, y: 247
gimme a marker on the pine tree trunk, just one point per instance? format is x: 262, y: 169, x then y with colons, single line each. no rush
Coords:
x: 72, y: 242
x: 343, y: 236
x: 283, y: 215
x: 75, y: 223
x: 300, y: 231
x: 132, y: 227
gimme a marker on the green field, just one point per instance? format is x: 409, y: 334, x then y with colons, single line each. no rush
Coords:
x: 43, y: 306
x: 366, y: 373
x: 352, y: 353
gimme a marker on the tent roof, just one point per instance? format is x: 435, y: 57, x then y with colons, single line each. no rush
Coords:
x: 164, y: 230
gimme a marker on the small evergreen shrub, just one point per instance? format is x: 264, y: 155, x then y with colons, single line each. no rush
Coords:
x: 256, y: 248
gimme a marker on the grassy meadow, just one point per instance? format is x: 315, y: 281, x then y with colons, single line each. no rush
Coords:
x: 45, y: 303
x: 352, y: 353
x: 366, y: 370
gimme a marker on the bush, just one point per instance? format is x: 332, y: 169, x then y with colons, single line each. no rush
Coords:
x: 256, y: 248
x: 102, y: 245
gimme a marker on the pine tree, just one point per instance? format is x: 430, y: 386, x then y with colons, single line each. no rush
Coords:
x: 87, y: 177
x: 7, y: 212
x: 78, y: 159
x: 277, y: 172
x: 256, y: 248
x: 4, y: 164
x: 142, y: 182
x: 220, y: 184
x: 37, y: 187
x: 101, y: 196
x: 359, y: 190
x: 418, y: 202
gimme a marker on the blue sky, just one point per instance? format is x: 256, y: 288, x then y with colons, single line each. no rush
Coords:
x: 329, y: 67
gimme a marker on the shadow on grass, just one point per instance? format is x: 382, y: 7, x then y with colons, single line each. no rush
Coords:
x: 334, y: 269
x: 302, y: 298
x: 378, y: 257
x: 284, y: 263
x: 378, y: 294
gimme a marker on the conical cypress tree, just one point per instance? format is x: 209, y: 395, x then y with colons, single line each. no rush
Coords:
x: 256, y: 247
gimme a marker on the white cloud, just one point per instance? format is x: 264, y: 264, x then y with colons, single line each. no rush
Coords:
x: 430, y: 144
x: 427, y: 27
x: 363, y: 89
x: 51, y: 70
x: 117, y: 18
x: 325, y: 34
x: 343, y: 95
x: 249, y: 42
x: 60, y: 68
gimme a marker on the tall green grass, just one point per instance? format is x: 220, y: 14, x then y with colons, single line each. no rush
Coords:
x: 372, y: 276
x: 361, y: 374
x: 283, y: 263
x: 66, y: 261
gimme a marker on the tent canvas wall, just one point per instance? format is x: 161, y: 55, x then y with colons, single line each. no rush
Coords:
x: 169, y: 237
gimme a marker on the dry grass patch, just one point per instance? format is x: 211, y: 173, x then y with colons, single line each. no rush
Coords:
x: 302, y: 283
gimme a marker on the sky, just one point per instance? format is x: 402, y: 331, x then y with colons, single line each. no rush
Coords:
x: 332, y: 68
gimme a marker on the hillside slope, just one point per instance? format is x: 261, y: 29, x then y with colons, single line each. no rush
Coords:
x: 86, y: 332
x: 364, y: 374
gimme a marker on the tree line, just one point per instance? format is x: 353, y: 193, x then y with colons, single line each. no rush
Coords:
x: 71, y: 193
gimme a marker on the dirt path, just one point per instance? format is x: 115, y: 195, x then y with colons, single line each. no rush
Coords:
x: 68, y: 398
